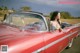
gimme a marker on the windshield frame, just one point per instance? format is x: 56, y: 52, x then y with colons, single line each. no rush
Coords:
x: 44, y: 19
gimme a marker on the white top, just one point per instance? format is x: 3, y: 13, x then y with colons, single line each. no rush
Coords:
x: 55, y: 24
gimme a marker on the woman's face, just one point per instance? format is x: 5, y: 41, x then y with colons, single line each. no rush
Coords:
x: 58, y: 16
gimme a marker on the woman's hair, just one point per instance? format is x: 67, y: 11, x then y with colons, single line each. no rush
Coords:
x: 53, y: 16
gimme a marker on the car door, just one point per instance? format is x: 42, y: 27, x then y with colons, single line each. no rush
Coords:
x: 55, y: 40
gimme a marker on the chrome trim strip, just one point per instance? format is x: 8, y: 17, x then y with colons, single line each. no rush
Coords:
x: 53, y: 43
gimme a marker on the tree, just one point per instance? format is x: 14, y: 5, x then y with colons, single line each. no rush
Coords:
x: 65, y: 15
x: 25, y: 8
x: 5, y: 8
x: 1, y: 8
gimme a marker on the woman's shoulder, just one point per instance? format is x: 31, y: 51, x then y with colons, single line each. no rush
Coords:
x: 53, y: 22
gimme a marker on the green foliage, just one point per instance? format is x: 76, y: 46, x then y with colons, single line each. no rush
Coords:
x: 66, y: 15
x: 1, y: 8
x: 50, y: 14
x: 77, y: 17
x: 25, y: 8
x: 5, y: 8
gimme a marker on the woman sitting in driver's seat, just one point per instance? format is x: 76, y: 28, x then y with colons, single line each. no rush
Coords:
x: 55, y: 20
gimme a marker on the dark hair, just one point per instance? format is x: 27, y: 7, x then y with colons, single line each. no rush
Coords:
x: 53, y: 16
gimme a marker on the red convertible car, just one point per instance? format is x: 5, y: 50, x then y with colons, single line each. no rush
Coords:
x: 30, y: 32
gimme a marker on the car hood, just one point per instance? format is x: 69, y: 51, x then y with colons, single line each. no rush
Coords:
x: 21, y: 40
x: 11, y: 35
x: 15, y: 38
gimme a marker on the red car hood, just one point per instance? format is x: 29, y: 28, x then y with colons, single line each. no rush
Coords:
x: 16, y: 39
x: 21, y: 40
x: 14, y: 36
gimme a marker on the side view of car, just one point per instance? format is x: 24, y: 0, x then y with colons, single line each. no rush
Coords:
x: 30, y: 32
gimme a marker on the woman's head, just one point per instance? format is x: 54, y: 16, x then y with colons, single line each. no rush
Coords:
x: 55, y: 15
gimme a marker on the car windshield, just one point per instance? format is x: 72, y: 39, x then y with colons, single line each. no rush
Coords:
x: 27, y: 21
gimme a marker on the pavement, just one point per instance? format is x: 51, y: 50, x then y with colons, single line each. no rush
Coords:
x: 75, y: 47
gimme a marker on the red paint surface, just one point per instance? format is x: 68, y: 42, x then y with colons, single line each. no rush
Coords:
x: 27, y: 42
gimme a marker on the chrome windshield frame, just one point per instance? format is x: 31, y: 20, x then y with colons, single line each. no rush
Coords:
x: 44, y: 18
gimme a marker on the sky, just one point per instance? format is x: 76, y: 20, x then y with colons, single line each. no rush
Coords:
x: 45, y: 6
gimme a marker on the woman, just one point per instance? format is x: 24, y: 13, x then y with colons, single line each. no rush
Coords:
x: 55, y: 20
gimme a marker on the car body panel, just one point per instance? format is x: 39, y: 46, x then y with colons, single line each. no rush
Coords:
x: 24, y: 41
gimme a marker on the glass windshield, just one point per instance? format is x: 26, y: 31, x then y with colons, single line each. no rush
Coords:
x: 27, y: 21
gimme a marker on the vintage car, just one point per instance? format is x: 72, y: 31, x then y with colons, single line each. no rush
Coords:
x: 30, y: 32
